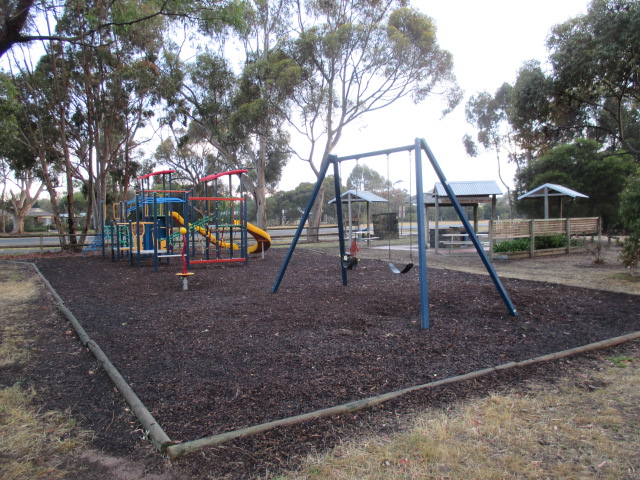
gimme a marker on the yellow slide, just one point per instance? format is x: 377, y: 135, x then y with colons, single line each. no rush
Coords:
x: 263, y: 239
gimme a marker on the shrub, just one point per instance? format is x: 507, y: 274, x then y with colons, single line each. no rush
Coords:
x: 630, y: 213
x: 630, y: 255
x: 541, y: 243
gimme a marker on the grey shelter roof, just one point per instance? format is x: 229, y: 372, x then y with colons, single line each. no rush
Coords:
x: 359, y: 196
x: 552, y: 190
x: 468, y: 189
x: 468, y: 193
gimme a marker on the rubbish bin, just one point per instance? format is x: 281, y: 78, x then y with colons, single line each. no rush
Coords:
x: 385, y: 225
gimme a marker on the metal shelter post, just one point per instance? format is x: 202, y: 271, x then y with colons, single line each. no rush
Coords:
x: 474, y: 239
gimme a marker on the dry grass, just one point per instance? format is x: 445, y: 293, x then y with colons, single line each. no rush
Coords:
x: 14, y: 294
x: 587, y: 428
x: 32, y: 443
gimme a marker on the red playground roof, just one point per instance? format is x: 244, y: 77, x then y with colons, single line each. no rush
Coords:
x: 218, y: 175
x: 161, y: 172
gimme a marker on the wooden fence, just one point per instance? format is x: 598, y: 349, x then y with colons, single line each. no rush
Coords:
x: 511, y: 229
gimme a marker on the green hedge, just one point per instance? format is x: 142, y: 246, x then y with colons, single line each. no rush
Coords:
x: 542, y: 243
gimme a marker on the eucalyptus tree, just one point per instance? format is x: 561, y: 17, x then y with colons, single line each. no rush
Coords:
x: 96, y: 99
x: 198, y: 98
x: 488, y: 114
x: 595, y: 61
x: 531, y: 114
x: 21, y: 178
x: 188, y: 152
x: 361, y: 56
x: 362, y: 177
x: 263, y: 98
x: 18, y: 24
x: 240, y: 115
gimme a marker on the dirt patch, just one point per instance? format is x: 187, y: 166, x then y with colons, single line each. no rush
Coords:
x: 576, y: 269
x: 227, y: 353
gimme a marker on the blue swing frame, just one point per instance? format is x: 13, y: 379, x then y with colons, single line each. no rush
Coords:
x: 419, y: 146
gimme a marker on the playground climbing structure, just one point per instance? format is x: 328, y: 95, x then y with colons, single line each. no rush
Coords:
x: 148, y: 225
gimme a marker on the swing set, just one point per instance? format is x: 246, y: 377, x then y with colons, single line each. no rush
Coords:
x: 419, y: 146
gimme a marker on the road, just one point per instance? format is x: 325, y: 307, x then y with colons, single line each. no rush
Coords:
x: 14, y: 245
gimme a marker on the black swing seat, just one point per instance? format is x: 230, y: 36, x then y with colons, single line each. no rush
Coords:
x: 395, y: 269
x: 349, y: 262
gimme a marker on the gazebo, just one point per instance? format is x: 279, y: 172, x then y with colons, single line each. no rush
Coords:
x: 469, y: 193
x: 358, y: 196
x: 551, y: 190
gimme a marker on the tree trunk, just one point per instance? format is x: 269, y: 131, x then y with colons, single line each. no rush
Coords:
x: 261, y: 185
x: 18, y: 223
x: 315, y: 217
x: 22, y: 203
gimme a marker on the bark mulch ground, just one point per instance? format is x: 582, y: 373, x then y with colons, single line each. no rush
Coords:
x: 228, y: 353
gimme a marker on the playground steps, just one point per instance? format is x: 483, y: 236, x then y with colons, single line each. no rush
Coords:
x: 96, y: 244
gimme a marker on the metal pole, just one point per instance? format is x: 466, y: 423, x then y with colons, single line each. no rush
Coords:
x: 336, y: 183
x: 155, y: 232
x: 422, y: 242
x: 321, y: 175
x: 472, y: 235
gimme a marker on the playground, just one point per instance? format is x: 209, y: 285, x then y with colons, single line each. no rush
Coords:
x: 228, y: 354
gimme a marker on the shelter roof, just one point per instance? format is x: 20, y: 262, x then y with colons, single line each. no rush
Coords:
x: 467, y: 193
x: 359, y: 196
x: 469, y: 188
x: 552, y: 190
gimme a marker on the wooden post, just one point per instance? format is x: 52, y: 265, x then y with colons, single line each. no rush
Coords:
x: 41, y: 243
x: 428, y: 234
x: 491, y: 239
x: 179, y: 450
x: 368, y: 224
x: 532, y: 236
x: 475, y: 218
x: 599, y: 231
x: 567, y: 228
x: 437, y: 230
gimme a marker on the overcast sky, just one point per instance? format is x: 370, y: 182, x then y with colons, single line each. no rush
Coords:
x: 489, y: 40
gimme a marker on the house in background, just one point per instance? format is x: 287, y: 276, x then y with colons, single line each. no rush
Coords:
x: 41, y: 216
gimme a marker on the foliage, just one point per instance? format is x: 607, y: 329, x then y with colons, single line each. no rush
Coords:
x: 529, y: 111
x: 19, y: 23
x: 630, y: 254
x: 582, y: 166
x: 630, y: 204
x: 292, y: 203
x: 359, y: 56
x: 630, y: 213
x: 595, y: 61
x: 364, y: 178
x: 541, y: 243
x: 489, y: 115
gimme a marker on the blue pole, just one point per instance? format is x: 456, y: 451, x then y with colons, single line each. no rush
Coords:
x: 474, y: 239
x: 422, y: 242
x: 336, y: 182
x: 138, y: 213
x: 155, y: 232
x: 321, y: 175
